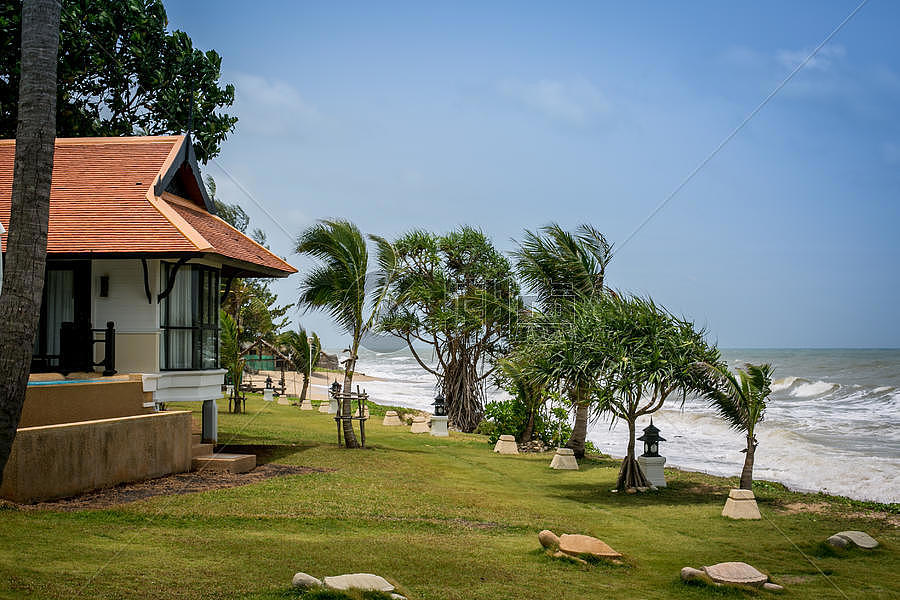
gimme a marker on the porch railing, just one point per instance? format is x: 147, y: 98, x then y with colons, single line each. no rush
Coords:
x: 76, y: 348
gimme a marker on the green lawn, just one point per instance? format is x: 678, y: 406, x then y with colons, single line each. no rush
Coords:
x: 442, y: 518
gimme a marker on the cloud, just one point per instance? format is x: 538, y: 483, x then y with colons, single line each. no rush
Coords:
x: 271, y: 107
x: 822, y: 61
x: 575, y: 101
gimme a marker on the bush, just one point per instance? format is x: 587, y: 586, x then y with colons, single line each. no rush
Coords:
x: 510, y: 417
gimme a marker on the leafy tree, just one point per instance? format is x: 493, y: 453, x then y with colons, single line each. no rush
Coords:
x: 230, y: 354
x: 741, y: 401
x: 303, y: 349
x: 338, y: 286
x: 120, y: 72
x: 646, y: 355
x: 250, y: 302
x: 455, y: 294
x: 26, y: 251
x: 561, y: 268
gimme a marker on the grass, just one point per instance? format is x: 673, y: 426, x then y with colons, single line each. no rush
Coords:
x: 441, y: 518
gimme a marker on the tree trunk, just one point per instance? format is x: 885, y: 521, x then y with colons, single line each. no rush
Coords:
x: 747, y: 471
x: 305, y: 388
x: 579, y: 429
x: 630, y: 475
x: 465, y: 404
x: 346, y: 409
x: 528, y: 432
x: 26, y: 253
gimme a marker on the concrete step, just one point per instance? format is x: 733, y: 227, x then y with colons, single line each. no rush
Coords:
x: 225, y: 463
x: 201, y: 450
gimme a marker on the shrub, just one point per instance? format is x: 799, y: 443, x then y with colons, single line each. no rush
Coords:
x: 510, y: 417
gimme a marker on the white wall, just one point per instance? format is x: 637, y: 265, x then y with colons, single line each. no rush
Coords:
x: 126, y: 304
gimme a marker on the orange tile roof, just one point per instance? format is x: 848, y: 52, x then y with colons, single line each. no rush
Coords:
x: 102, y: 201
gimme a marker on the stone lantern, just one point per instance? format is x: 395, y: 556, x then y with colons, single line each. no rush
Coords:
x: 439, y: 420
x: 268, y: 393
x: 650, y: 461
x: 333, y: 401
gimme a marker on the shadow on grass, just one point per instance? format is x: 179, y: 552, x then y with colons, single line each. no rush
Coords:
x: 265, y: 453
x: 678, y: 493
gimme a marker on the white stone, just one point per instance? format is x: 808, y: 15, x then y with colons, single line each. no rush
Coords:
x: 741, y: 504
x: 838, y: 541
x: 306, y: 404
x: 419, y: 425
x: 772, y: 587
x: 391, y: 419
x: 506, y: 445
x: 324, y: 407
x: 860, y: 538
x: 690, y: 574
x: 564, y: 459
x: 302, y: 580
x: 283, y: 400
x: 332, y: 406
x: 652, y: 467
x: 439, y: 427
x: 359, y: 581
x: 268, y: 395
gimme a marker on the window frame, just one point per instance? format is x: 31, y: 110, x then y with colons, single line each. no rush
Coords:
x: 204, y: 317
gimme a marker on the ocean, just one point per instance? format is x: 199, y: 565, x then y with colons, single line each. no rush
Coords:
x: 832, y: 425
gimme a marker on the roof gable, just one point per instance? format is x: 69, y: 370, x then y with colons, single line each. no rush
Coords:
x: 108, y: 197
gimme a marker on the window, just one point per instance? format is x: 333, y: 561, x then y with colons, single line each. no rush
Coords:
x: 189, y: 318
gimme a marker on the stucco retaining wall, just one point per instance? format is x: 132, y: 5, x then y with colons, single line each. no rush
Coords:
x: 55, y: 461
x: 106, y: 398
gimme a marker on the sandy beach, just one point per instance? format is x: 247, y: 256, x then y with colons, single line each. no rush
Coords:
x: 318, y: 387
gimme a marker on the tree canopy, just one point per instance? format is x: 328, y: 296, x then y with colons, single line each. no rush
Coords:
x: 121, y: 72
x: 454, y: 293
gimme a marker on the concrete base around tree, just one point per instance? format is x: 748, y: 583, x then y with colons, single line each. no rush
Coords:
x: 741, y: 504
x: 652, y: 467
x: 506, y: 445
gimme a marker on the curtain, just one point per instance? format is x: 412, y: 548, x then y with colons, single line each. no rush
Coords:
x: 179, y: 311
x: 60, y: 306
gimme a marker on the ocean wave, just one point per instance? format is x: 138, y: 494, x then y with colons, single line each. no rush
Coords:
x: 779, y: 385
x: 815, y: 388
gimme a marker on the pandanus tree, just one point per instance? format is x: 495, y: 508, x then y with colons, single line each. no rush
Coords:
x: 741, y: 401
x: 303, y: 349
x: 338, y: 286
x: 562, y: 268
x: 648, y: 356
x: 454, y: 294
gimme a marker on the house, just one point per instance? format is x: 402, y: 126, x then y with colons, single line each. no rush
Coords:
x: 136, y: 263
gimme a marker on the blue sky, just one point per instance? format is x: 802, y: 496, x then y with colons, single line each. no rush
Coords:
x: 511, y: 115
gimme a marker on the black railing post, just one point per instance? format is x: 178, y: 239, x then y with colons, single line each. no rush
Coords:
x: 109, y: 350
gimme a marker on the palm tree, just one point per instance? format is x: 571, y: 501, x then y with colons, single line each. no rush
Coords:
x: 338, y: 286
x: 303, y: 349
x: 26, y: 252
x: 741, y: 401
x: 560, y: 268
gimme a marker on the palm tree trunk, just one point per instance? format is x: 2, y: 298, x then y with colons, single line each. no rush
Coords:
x: 579, y: 429
x: 26, y: 252
x: 528, y: 432
x: 346, y: 404
x: 747, y: 471
x: 630, y: 475
x: 305, y: 388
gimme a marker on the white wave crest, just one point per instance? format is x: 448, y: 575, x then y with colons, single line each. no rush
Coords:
x: 786, y: 382
x: 815, y: 388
